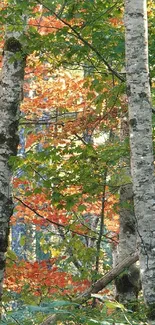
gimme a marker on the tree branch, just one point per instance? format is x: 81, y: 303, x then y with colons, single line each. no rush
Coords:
x: 50, y: 221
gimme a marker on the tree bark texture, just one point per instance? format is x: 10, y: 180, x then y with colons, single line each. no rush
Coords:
x: 11, y: 84
x: 140, y: 127
x: 127, y: 284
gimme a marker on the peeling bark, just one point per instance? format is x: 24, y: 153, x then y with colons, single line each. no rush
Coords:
x: 140, y: 123
x: 11, y: 83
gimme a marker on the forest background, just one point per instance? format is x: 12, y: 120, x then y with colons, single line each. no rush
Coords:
x: 72, y: 166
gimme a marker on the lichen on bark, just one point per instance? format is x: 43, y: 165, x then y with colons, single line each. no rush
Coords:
x: 141, y: 144
x: 12, y: 75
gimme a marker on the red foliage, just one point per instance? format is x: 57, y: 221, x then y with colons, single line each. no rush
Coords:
x: 40, y: 277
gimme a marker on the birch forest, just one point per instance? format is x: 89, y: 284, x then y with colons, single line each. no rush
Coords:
x: 77, y: 182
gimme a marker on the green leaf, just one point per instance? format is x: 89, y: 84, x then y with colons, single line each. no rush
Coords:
x: 113, y: 305
x: 81, y: 208
x: 60, y: 303
x: 11, y: 254
x: 41, y: 309
x: 22, y: 240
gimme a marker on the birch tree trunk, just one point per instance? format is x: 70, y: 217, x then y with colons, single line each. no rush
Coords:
x: 127, y: 284
x: 140, y: 124
x: 12, y: 75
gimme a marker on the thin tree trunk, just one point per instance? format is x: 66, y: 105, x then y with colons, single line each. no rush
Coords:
x: 12, y: 75
x: 140, y: 123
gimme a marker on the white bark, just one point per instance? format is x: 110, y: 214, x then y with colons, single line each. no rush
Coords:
x: 12, y: 75
x: 140, y: 116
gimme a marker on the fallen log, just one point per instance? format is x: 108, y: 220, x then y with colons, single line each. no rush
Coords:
x: 108, y: 277
x: 99, y: 285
